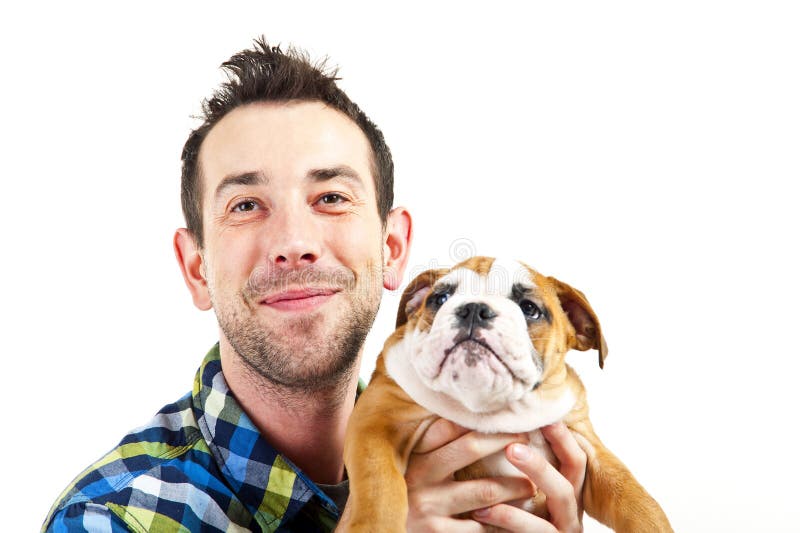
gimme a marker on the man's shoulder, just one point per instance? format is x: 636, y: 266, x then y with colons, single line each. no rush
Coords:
x: 157, y: 465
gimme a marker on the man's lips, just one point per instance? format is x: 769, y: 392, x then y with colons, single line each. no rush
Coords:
x: 299, y: 299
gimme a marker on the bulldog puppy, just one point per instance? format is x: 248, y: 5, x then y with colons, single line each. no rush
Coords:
x: 483, y: 345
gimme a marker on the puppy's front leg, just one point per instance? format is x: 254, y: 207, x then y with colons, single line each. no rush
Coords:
x: 384, y: 427
x: 378, y: 500
x: 611, y: 494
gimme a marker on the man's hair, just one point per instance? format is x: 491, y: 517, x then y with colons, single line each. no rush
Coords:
x: 267, y: 74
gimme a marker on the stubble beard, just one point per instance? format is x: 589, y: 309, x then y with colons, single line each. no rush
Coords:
x: 306, y: 354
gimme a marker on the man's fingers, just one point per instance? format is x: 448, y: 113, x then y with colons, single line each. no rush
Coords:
x: 570, y: 455
x: 561, y: 501
x: 512, y: 518
x: 439, y: 464
x: 438, y: 434
x: 466, y: 496
x: 451, y: 525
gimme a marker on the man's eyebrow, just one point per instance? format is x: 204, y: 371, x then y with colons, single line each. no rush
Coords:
x: 245, y: 178
x: 340, y: 171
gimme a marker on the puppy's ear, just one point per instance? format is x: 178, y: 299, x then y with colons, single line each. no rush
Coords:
x: 588, y: 334
x: 415, y: 294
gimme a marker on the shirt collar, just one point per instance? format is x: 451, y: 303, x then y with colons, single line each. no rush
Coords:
x: 267, y: 483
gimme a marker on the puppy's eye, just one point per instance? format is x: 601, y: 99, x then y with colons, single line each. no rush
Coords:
x: 530, y: 310
x: 438, y: 299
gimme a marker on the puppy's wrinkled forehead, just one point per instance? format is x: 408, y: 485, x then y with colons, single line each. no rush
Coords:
x: 481, y: 276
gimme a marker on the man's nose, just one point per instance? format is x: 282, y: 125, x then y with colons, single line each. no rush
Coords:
x: 295, y: 240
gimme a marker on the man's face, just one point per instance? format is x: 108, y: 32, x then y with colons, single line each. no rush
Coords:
x: 293, y: 240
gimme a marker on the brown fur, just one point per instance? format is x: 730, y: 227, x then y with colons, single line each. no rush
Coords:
x: 387, y: 424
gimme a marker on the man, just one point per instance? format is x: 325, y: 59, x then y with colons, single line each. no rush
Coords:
x: 290, y: 238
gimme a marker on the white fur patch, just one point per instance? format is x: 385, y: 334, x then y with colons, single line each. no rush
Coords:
x: 502, y: 276
x: 525, y: 414
x: 504, y: 273
x: 467, y: 281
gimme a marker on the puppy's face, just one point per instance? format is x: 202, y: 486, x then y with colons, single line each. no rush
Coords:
x: 489, y: 332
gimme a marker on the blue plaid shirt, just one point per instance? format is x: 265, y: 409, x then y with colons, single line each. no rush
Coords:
x: 199, y: 465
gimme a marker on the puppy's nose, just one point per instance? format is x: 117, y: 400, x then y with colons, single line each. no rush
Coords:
x: 474, y: 314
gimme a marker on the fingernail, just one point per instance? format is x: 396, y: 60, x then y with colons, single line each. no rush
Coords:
x: 481, y: 513
x: 520, y: 452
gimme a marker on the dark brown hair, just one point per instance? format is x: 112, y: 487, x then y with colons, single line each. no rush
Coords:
x: 265, y: 74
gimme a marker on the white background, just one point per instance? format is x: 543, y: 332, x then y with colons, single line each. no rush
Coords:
x: 646, y: 153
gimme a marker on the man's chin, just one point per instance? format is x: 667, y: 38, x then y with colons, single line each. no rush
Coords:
x: 296, y: 331
x: 314, y: 347
x: 317, y: 372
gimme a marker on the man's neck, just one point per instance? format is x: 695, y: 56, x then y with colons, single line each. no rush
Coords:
x: 307, y: 427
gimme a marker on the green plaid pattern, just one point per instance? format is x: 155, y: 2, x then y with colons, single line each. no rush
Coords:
x: 199, y: 465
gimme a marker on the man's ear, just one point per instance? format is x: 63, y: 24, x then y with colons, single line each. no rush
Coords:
x: 190, y: 261
x: 415, y: 294
x: 588, y: 334
x: 396, y: 244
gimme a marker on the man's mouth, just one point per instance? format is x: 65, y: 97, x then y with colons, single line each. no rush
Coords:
x: 299, y: 299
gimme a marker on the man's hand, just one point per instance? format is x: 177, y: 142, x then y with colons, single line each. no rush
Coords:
x: 435, y: 498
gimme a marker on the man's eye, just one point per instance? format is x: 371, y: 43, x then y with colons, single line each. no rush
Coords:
x: 332, y: 199
x: 245, y: 206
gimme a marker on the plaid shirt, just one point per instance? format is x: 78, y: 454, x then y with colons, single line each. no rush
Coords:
x: 199, y: 464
